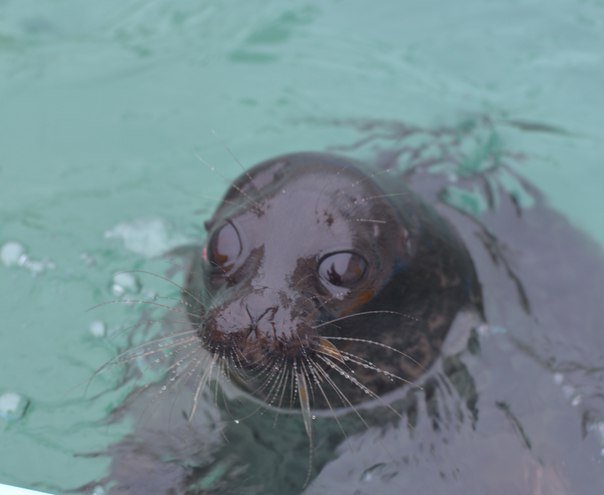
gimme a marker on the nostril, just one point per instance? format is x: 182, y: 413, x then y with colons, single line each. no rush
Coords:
x: 269, y: 313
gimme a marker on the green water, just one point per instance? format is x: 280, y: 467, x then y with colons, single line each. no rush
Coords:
x: 104, y: 109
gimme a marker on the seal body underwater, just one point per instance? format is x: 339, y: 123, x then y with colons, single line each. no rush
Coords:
x: 322, y: 286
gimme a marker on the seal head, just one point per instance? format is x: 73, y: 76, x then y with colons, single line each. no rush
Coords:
x: 318, y: 276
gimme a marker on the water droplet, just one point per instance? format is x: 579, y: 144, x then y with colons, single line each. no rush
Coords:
x: 236, y: 421
x: 124, y: 282
x: 97, y: 328
x: 558, y: 378
x: 576, y: 400
x: 12, y: 406
x: 568, y: 391
x: 483, y: 330
x: 88, y: 259
x: 164, y: 388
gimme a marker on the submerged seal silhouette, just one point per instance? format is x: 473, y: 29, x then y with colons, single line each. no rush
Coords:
x: 322, y: 286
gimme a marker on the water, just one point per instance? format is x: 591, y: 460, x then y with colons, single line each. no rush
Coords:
x: 104, y: 108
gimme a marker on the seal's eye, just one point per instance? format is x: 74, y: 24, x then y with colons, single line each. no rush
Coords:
x: 224, y: 247
x: 343, y: 269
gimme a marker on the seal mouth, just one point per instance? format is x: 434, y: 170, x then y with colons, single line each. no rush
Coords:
x: 299, y: 368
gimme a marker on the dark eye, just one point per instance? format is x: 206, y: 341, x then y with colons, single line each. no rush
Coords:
x: 224, y: 247
x: 343, y: 269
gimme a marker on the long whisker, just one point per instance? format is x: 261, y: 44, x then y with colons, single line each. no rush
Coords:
x: 304, y: 398
x: 249, y: 199
x: 369, y: 365
x: 364, y: 313
x: 171, y: 309
x: 354, y: 381
x: 166, y: 279
x: 147, y: 349
x: 201, y: 385
x: 379, y: 344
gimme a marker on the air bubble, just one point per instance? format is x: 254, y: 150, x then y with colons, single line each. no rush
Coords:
x: 164, y: 388
x: 11, y: 253
x: 88, y: 259
x: 97, y: 328
x: 124, y: 282
x: 12, y: 406
x: 98, y: 490
x: 558, y: 378
x: 576, y: 400
x: 236, y: 421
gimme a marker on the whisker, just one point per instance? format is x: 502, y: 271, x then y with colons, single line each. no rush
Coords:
x: 140, y: 351
x: 166, y: 279
x: 354, y: 381
x: 379, y: 344
x: 171, y: 309
x: 364, y: 313
x: 307, y: 421
x: 233, y: 156
x: 201, y: 385
x: 303, y: 397
x: 340, y: 394
x: 368, y: 220
x: 317, y: 382
x: 369, y: 365
x: 250, y: 200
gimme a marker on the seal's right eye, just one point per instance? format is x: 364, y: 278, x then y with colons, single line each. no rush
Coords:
x: 224, y: 247
x: 343, y: 269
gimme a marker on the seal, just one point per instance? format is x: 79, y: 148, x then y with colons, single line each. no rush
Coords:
x: 324, y: 286
x: 321, y: 279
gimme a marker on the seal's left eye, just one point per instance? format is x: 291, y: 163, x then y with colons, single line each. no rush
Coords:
x: 224, y: 247
x: 343, y: 269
